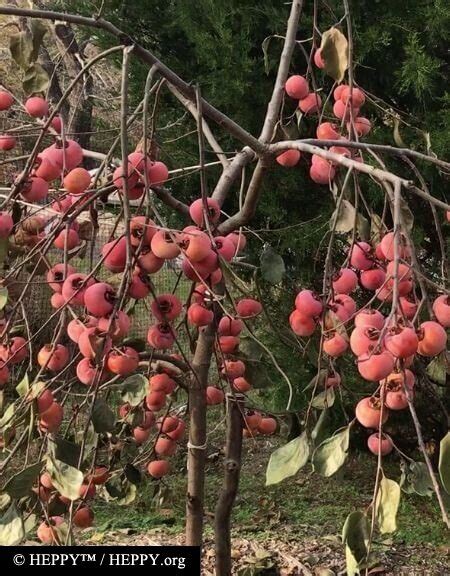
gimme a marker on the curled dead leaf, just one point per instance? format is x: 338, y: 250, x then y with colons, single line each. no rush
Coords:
x: 334, y: 52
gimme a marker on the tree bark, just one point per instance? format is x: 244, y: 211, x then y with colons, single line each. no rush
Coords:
x: 233, y: 453
x: 73, y: 58
x: 197, y: 436
x: 54, y: 90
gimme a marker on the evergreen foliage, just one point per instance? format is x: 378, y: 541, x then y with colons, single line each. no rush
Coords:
x: 230, y: 49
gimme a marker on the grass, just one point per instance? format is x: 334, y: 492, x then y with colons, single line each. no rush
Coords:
x: 305, y: 505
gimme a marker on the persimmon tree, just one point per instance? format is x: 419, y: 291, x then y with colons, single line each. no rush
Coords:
x: 379, y: 301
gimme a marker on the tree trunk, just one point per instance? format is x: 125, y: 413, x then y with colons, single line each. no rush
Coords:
x: 197, y: 436
x: 233, y: 452
x: 54, y: 90
x: 73, y: 58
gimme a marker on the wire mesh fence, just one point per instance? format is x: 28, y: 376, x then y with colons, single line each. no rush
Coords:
x: 37, y: 305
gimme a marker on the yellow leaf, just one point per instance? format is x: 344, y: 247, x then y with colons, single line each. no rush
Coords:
x: 387, y: 503
x: 397, y: 136
x: 334, y: 52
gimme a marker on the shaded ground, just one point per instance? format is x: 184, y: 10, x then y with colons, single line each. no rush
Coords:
x: 292, y: 528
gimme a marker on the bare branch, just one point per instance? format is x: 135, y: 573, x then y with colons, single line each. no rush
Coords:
x: 381, y: 175
x: 189, y: 105
x: 423, y: 449
x: 273, y: 109
x: 392, y: 150
x: 272, y: 114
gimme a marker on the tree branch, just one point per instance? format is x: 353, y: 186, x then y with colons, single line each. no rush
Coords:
x: 146, y: 56
x: 230, y: 175
x: 166, y: 197
x: 190, y: 106
x: 423, y: 449
x: 233, y: 456
x: 250, y: 203
x: 272, y: 114
x: 380, y: 148
x: 340, y: 159
x: 273, y: 109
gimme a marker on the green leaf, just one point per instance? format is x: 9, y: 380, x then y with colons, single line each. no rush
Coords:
x: 120, y: 490
x: 289, y: 131
x: 6, y: 419
x: 287, y: 460
x: 90, y: 442
x: 103, y: 418
x: 386, y: 505
x: 66, y: 451
x: 351, y: 562
x: 334, y: 52
x: 317, y: 381
x: 329, y: 456
x: 30, y: 522
x: 55, y: 507
x: 113, y: 488
x: 132, y: 474
x: 265, y: 49
x: 66, y: 479
x: 139, y: 344
x: 61, y: 533
x: 405, y: 483
x: 21, y: 483
x: 255, y: 370
x: 437, y: 370
x: 355, y: 536
x: 11, y: 527
x: 134, y: 389
x: 3, y: 297
x: 320, y: 430
x: 23, y: 387
x: 421, y: 481
x: 416, y: 479
x: 294, y: 425
x: 324, y: 399
x: 35, y: 79
x: 444, y: 462
x: 272, y: 266
x: 21, y: 48
x: 129, y: 496
x: 299, y: 117
x: 36, y: 390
